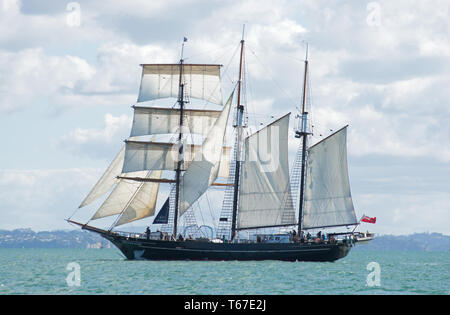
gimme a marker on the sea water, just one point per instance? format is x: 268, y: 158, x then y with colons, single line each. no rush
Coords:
x: 105, y: 271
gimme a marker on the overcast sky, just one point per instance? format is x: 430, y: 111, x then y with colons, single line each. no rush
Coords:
x: 70, y: 72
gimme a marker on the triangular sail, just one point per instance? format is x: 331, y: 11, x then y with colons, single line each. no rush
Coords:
x: 265, y: 178
x: 162, y: 81
x: 108, y: 179
x: 143, y: 203
x: 224, y: 168
x: 163, y: 214
x: 123, y: 195
x: 203, y: 171
x: 328, y: 200
x: 118, y: 198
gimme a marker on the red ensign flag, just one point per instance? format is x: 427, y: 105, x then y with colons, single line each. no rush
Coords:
x: 368, y: 219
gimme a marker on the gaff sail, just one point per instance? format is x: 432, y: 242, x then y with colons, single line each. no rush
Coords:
x: 328, y: 201
x: 265, y: 183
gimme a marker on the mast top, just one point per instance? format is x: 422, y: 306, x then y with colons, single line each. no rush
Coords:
x: 182, y: 48
x: 306, y: 57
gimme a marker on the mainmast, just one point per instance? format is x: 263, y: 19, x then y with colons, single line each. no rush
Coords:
x: 302, y: 133
x: 239, y: 129
x: 180, y: 144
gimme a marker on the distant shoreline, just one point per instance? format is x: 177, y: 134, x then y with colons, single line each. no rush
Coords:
x: 27, y: 238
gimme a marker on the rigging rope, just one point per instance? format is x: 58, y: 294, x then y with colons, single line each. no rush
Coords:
x: 210, y: 211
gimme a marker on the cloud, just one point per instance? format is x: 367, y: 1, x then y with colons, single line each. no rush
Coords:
x: 407, y: 195
x: 403, y: 213
x: 25, y: 25
x: 42, y: 199
x: 392, y: 70
x: 69, y: 81
x: 402, y: 118
x: 31, y: 75
x: 388, y: 80
x: 98, y: 143
x: 118, y: 70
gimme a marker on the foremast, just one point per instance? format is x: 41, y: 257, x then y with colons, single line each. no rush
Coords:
x: 181, y: 147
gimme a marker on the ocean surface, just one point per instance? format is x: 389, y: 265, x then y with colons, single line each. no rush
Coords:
x: 105, y: 271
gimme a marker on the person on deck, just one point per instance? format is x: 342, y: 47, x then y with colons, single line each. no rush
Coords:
x: 308, y: 236
x: 147, y: 232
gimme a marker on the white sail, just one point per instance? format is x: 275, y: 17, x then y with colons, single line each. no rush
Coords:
x: 225, y: 159
x: 143, y: 203
x: 149, y: 155
x: 108, y: 179
x: 328, y: 200
x: 162, y: 81
x: 153, y: 120
x: 119, y: 197
x: 204, y: 170
x: 265, y: 186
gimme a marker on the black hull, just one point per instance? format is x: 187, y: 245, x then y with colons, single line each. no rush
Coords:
x: 144, y: 249
x: 194, y: 250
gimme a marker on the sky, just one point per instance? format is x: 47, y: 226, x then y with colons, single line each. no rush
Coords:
x: 70, y: 74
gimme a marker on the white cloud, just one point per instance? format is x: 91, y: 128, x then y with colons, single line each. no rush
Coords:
x: 69, y: 81
x: 389, y: 82
x: 42, y: 199
x: 404, y: 213
x: 21, y: 31
x: 30, y: 74
x: 118, y: 68
x: 98, y: 143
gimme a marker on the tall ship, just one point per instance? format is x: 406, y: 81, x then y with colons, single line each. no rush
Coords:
x: 268, y: 211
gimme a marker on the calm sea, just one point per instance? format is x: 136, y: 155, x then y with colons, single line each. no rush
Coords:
x: 105, y: 271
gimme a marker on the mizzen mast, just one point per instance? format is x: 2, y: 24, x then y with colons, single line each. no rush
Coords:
x: 239, y: 129
x: 301, y: 132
